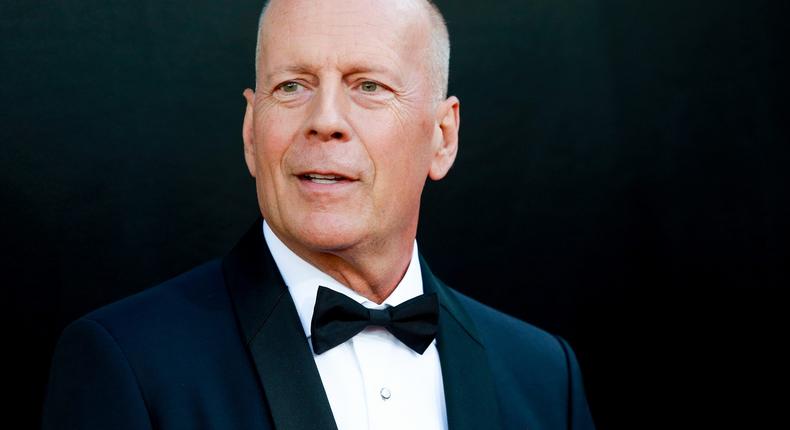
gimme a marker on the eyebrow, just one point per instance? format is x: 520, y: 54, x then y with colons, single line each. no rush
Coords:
x: 300, y: 68
x: 348, y: 69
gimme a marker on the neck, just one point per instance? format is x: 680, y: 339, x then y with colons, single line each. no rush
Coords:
x: 373, y: 270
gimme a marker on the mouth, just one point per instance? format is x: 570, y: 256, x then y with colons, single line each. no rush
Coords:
x: 324, y: 178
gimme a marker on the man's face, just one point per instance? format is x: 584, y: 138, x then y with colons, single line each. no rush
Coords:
x: 344, y: 127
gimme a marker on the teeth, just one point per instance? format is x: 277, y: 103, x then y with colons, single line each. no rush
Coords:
x: 317, y: 176
x: 323, y: 181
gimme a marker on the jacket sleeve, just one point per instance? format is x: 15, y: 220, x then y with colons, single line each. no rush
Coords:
x: 91, y: 385
x: 579, y: 416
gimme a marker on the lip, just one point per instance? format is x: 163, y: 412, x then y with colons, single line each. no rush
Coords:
x: 345, y: 176
x: 314, y: 189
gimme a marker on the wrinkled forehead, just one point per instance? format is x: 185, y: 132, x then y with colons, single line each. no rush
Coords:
x: 389, y: 33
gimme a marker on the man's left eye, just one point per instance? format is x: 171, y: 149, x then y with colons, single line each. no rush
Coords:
x: 369, y: 86
x: 289, y: 87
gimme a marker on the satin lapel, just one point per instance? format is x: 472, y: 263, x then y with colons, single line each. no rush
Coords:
x: 469, y: 391
x: 274, y: 336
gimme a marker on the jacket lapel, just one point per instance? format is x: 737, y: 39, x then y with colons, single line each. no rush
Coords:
x: 274, y: 336
x: 286, y: 369
x: 470, y: 397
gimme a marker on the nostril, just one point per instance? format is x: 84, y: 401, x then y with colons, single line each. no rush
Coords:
x: 336, y: 135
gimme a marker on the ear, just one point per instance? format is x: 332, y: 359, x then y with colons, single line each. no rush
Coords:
x: 248, y: 131
x: 446, y: 137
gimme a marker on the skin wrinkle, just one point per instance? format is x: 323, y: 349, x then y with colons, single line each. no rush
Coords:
x: 438, y: 53
x: 360, y: 233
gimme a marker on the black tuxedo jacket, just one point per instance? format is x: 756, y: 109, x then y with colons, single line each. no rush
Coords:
x: 222, y: 347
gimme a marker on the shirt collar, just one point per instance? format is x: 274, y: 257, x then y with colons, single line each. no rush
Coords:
x: 303, y: 279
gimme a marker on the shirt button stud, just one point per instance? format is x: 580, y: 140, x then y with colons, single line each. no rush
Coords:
x: 385, y: 393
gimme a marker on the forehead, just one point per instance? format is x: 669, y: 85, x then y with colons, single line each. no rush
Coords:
x: 374, y: 34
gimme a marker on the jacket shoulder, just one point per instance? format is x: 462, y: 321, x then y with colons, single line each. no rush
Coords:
x: 187, y: 314
x: 493, y: 324
x: 156, y: 356
x: 191, y: 292
x: 530, y: 365
x: 516, y: 348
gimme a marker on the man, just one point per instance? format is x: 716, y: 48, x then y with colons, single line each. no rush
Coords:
x: 324, y: 315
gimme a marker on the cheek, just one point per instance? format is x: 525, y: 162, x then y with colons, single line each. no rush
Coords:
x: 399, y: 146
x: 272, y: 137
x: 273, y: 132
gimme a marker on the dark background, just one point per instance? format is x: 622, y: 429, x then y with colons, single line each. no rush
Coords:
x: 621, y: 182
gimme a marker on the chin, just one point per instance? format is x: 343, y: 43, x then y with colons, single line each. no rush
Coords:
x: 330, y: 232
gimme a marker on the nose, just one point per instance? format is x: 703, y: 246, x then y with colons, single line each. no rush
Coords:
x: 328, y: 119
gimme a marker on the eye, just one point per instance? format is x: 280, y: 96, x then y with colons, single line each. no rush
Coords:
x: 289, y: 87
x: 369, y: 86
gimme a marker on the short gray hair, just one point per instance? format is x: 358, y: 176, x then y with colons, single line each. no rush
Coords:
x: 439, y: 61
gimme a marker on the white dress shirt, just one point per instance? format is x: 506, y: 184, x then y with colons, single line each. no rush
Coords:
x: 372, y: 381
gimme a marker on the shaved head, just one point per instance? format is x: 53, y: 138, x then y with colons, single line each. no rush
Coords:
x: 438, y: 58
x: 348, y: 120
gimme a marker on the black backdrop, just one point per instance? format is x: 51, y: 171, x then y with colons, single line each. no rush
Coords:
x: 621, y: 181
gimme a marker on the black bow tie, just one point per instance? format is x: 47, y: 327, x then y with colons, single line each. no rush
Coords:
x: 337, y: 318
